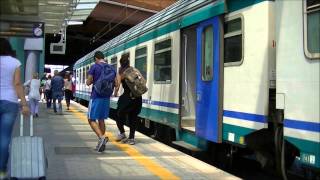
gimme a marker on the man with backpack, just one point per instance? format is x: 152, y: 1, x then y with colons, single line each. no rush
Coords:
x: 102, y: 76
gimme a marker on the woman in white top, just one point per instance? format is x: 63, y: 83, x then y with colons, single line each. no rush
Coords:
x: 34, y: 94
x: 10, y: 89
x: 68, y: 89
x: 47, y: 91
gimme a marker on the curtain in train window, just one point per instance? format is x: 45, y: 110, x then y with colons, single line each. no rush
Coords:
x: 233, y: 42
x: 207, y: 54
x: 312, y: 13
x: 162, y: 62
x: 141, y: 61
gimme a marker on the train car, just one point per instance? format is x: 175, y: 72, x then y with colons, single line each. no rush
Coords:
x: 298, y: 77
x: 218, y: 75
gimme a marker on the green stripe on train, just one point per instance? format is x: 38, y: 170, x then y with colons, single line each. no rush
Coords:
x: 309, y: 151
x: 238, y: 131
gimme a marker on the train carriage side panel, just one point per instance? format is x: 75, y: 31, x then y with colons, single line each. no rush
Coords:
x: 298, y: 78
x: 246, y: 79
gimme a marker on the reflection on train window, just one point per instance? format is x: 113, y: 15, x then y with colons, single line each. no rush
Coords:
x: 114, y: 63
x: 162, y: 62
x: 233, y: 42
x: 312, y: 28
x: 207, y: 54
x: 141, y: 61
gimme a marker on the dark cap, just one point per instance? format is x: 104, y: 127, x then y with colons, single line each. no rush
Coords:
x: 99, y: 55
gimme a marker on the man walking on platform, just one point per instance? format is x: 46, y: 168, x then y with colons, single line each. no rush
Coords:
x: 57, y: 84
x: 102, y: 76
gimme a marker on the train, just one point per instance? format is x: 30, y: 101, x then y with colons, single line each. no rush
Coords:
x: 228, y: 76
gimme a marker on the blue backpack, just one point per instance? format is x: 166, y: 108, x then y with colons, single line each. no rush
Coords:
x: 105, y: 83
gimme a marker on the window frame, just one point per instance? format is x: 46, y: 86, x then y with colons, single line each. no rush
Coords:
x: 137, y: 57
x: 230, y: 18
x: 308, y: 54
x: 116, y: 63
x: 203, y: 54
x: 161, y: 51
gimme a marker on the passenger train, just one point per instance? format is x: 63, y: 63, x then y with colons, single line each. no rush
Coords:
x: 228, y: 75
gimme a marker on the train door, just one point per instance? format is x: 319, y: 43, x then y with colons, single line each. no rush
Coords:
x: 188, y: 77
x: 209, y: 79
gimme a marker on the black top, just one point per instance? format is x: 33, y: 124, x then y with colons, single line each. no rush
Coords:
x: 125, y: 87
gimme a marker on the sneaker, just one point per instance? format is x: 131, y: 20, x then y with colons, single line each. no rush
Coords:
x: 37, y: 115
x: 129, y: 141
x: 97, y: 146
x: 102, y: 144
x: 121, y: 137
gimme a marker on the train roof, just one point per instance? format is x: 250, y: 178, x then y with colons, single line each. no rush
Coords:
x: 167, y: 15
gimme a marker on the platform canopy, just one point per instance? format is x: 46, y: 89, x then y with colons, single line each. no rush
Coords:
x: 56, y: 14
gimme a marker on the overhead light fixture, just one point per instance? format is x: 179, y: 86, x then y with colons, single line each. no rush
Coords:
x: 85, y: 6
x: 75, y: 22
x: 58, y: 3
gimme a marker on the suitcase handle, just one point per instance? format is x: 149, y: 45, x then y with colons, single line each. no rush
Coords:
x: 21, y: 125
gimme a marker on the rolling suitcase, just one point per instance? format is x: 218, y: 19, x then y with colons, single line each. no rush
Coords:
x: 27, y: 155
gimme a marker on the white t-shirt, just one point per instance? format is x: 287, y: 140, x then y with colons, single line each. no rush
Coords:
x: 34, y: 88
x: 8, y: 65
x: 68, y: 84
x: 48, y: 84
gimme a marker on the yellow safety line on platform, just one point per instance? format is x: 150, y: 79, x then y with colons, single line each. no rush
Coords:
x: 148, y: 163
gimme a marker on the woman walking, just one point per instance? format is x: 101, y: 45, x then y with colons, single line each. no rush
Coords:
x: 10, y: 89
x: 47, y: 91
x: 34, y: 94
x: 128, y: 106
x: 68, y: 89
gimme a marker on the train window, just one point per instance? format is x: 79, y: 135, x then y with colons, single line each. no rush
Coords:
x: 312, y: 28
x: 114, y: 62
x: 162, y: 62
x: 87, y: 71
x: 207, y: 54
x: 83, y: 75
x: 141, y: 61
x: 233, y: 49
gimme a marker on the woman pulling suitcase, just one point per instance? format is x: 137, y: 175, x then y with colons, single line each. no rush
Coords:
x: 10, y: 89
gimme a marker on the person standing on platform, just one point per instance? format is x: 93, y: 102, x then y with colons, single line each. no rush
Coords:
x: 128, y: 106
x: 34, y: 94
x: 10, y: 89
x: 99, y: 101
x: 68, y: 89
x: 42, y: 86
x: 47, y: 91
x: 57, y: 84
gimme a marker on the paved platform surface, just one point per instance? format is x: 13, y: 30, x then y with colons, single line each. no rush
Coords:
x: 70, y: 142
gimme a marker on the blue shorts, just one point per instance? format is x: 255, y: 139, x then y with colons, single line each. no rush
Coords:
x: 98, y: 109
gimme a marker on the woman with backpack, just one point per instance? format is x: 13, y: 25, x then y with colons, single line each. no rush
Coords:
x: 129, y: 106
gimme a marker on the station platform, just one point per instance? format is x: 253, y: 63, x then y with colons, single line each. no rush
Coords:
x: 70, y: 143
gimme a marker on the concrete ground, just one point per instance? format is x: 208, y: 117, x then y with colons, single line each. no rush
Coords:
x: 70, y: 143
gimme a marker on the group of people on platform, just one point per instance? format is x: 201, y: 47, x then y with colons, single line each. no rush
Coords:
x: 54, y: 88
